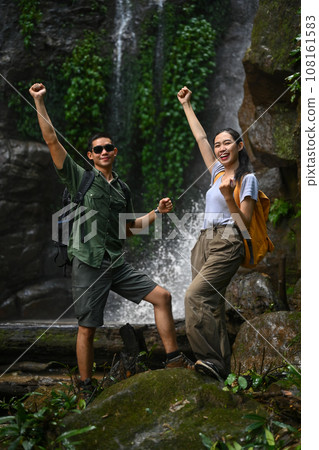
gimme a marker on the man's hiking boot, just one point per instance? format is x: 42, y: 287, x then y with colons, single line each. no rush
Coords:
x: 179, y: 361
x: 87, y: 389
x: 209, y: 368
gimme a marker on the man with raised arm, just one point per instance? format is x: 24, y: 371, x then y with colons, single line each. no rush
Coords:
x: 98, y: 265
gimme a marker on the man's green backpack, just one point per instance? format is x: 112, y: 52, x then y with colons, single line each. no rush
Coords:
x: 66, y: 216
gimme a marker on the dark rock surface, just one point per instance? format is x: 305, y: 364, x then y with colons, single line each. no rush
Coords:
x: 269, y: 340
x: 30, y: 193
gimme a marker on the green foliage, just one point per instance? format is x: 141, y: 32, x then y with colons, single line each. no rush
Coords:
x: 293, y: 80
x: 30, y: 16
x: 280, y: 209
x: 263, y: 433
x: 27, y: 126
x: 191, y: 61
x: 235, y: 383
x: 86, y: 74
x: 166, y: 140
x: 29, y: 429
x: 23, y: 112
x: 292, y: 376
x: 99, y: 6
x: 251, y: 381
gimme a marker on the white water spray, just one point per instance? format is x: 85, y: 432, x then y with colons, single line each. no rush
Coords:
x: 123, y: 31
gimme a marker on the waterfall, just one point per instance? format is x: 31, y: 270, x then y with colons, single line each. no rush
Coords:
x: 159, y: 55
x: 169, y: 265
x: 123, y: 30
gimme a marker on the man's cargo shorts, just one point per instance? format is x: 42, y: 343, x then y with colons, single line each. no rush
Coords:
x: 91, y: 286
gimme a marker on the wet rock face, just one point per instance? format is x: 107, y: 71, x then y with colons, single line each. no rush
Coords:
x: 250, y: 294
x: 271, y: 122
x: 247, y: 296
x: 29, y: 195
x: 270, y: 340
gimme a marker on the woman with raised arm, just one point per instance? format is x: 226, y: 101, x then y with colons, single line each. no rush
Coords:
x: 219, y: 249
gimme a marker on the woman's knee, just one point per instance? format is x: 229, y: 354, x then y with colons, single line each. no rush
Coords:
x: 191, y: 298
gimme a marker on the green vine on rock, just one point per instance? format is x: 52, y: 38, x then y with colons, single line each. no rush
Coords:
x: 30, y: 16
x: 86, y: 73
x: 191, y: 61
x: 293, y: 80
x: 279, y: 210
x: 166, y: 140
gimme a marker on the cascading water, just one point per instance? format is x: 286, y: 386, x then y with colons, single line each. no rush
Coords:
x: 123, y: 30
x: 169, y: 265
x: 159, y: 60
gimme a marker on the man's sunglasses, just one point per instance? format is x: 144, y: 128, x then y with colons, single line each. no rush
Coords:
x: 99, y: 148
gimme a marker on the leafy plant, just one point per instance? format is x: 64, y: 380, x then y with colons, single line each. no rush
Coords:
x: 262, y: 433
x: 279, y: 210
x: 29, y: 429
x: 26, y: 118
x: 235, y: 383
x: 292, y: 376
x: 164, y: 135
x: 30, y: 16
x: 293, y: 80
x: 251, y: 381
x: 86, y: 73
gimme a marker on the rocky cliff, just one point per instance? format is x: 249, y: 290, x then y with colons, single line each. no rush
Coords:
x: 271, y: 120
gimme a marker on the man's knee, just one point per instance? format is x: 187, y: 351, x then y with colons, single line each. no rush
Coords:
x: 159, y: 297
x: 166, y: 299
x: 86, y: 333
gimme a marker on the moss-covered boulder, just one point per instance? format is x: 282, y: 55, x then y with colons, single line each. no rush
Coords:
x: 275, y: 27
x: 274, y: 137
x: 163, y: 409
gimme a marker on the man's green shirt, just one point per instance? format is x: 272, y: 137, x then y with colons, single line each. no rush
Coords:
x: 103, y: 227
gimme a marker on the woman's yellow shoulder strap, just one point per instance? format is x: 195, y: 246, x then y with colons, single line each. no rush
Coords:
x: 220, y: 174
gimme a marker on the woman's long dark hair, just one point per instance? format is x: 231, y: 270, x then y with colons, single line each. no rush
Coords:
x: 244, y: 163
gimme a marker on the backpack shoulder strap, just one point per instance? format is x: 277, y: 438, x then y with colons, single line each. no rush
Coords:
x: 86, y: 182
x: 244, y: 232
x: 125, y: 189
x: 220, y: 174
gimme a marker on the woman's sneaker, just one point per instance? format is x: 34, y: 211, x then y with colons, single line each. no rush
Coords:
x: 209, y: 368
x: 179, y: 361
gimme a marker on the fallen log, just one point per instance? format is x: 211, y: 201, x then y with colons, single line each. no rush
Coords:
x: 43, y: 342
